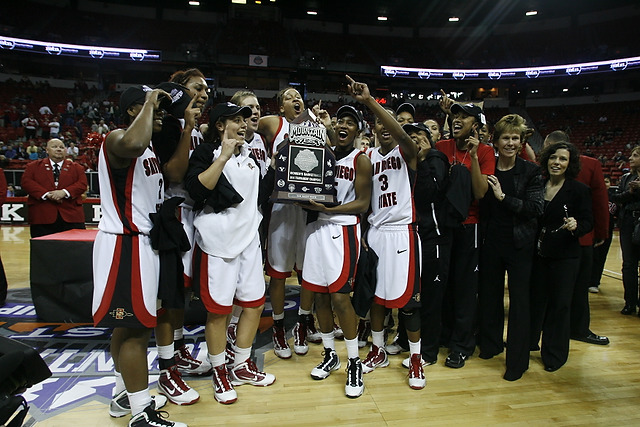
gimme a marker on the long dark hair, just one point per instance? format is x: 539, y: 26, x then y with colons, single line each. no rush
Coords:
x: 574, y: 159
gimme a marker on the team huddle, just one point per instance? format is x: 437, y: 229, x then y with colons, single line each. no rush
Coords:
x: 187, y: 208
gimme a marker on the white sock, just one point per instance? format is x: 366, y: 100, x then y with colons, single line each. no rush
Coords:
x: 302, y: 312
x: 378, y: 338
x: 414, y: 347
x: 216, y: 359
x: 119, y: 387
x: 328, y: 340
x: 178, y: 334
x: 139, y: 400
x: 242, y: 354
x: 277, y: 316
x: 352, y: 348
x: 165, y: 351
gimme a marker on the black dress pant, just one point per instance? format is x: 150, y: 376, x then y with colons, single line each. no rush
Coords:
x: 496, y: 258
x: 461, y: 296
x: 630, y: 259
x: 580, y: 314
x: 552, y: 286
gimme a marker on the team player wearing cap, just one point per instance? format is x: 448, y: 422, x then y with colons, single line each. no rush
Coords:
x: 224, y: 180
x: 333, y: 247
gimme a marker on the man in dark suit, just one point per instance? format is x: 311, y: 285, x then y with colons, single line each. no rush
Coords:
x: 592, y: 176
x: 55, y: 186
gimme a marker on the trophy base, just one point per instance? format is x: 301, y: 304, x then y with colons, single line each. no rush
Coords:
x: 287, y: 197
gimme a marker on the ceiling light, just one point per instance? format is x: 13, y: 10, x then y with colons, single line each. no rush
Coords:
x: 531, y: 13
x: 239, y: 1
x: 194, y: 3
x: 312, y: 12
x: 382, y: 18
x: 454, y: 19
x: 565, y: 90
x: 258, y: 1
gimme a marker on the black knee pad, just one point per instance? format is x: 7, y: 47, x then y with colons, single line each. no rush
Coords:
x: 411, y: 319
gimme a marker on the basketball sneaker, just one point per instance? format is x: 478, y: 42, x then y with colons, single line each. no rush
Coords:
x: 247, y: 373
x: 417, y: 380
x: 330, y: 363
x: 300, y: 339
x: 222, y: 389
x: 153, y: 418
x: 364, y: 330
x: 407, y: 362
x: 377, y: 357
x: 337, y: 332
x: 395, y: 347
x: 280, y: 345
x: 189, y: 365
x: 119, y: 406
x: 313, y: 335
x: 355, y: 386
x: 170, y: 384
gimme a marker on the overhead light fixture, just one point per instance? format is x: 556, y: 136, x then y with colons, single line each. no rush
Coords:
x: 382, y: 18
x: 565, y: 90
x: 454, y: 19
x: 239, y: 1
x: 194, y: 3
x: 312, y: 12
x: 258, y: 1
x: 531, y: 13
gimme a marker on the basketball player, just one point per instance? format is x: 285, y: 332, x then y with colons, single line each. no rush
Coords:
x: 125, y: 268
x: 393, y: 235
x: 286, y: 239
x: 333, y: 247
x: 224, y: 180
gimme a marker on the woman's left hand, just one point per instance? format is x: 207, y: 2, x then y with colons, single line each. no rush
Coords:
x: 570, y: 223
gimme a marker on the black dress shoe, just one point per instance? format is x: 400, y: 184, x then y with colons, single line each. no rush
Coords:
x: 512, y: 375
x: 592, y: 338
x: 628, y: 309
x: 455, y: 360
x: 551, y: 368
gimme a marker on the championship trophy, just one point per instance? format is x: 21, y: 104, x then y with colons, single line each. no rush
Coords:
x: 305, y: 166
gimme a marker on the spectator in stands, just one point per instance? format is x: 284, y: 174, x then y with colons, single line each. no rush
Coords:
x: 45, y: 110
x: 484, y: 135
x: 434, y: 128
x: 30, y: 125
x: 11, y: 152
x: 72, y: 151
x: 55, y: 187
x: 103, y: 128
x: 54, y: 127
x: 32, y: 150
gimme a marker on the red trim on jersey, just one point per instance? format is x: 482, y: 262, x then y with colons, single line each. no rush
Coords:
x: 137, y: 293
x: 128, y: 189
x: 348, y: 263
x: 276, y: 134
x: 111, y: 283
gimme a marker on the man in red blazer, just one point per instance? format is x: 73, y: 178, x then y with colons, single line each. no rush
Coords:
x: 55, y: 188
x: 591, y: 175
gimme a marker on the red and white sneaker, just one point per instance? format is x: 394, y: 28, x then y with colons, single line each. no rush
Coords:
x: 232, y: 330
x: 280, y: 344
x: 377, y: 358
x: 364, y: 330
x: 170, y: 384
x: 300, y: 339
x: 417, y: 380
x: 189, y: 365
x: 313, y: 335
x: 222, y: 389
x: 247, y: 373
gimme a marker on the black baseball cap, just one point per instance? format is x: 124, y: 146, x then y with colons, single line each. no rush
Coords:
x: 408, y: 107
x: 348, y: 110
x: 416, y: 127
x: 227, y: 109
x: 133, y: 95
x: 179, y: 101
x: 472, y: 110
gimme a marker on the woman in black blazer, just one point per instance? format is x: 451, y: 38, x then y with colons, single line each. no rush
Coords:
x: 567, y: 216
x: 508, y: 218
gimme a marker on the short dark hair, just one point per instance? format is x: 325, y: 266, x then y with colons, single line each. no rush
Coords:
x: 574, y: 159
x: 557, y: 136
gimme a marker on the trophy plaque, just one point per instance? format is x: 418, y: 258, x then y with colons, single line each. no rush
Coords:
x: 305, y: 167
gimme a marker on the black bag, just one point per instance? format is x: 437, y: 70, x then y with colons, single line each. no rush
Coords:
x: 364, y: 288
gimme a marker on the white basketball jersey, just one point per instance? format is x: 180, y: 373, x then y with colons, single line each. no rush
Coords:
x: 259, y: 151
x: 129, y: 195
x: 178, y: 189
x: 392, y: 193
x: 345, y: 178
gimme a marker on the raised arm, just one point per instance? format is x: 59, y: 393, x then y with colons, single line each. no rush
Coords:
x: 360, y: 92
x: 176, y: 166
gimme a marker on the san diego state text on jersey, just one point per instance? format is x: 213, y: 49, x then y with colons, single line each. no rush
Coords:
x: 390, y: 163
x: 151, y: 166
